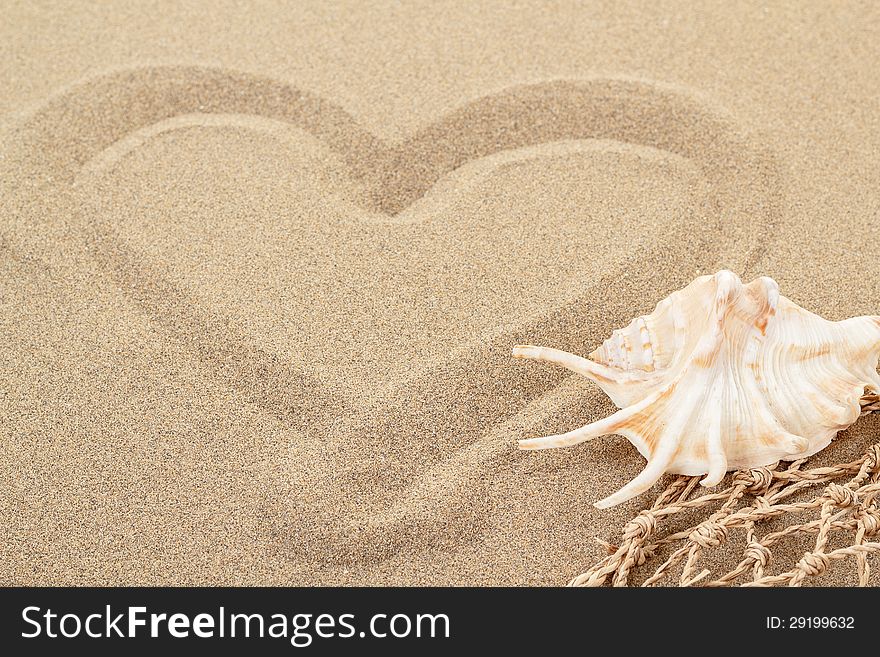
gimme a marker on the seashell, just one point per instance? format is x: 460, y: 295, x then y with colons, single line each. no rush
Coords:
x: 723, y: 376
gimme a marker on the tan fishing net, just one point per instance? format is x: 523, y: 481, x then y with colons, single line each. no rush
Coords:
x: 845, y: 505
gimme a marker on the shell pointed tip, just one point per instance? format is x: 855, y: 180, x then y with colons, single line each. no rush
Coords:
x: 727, y: 276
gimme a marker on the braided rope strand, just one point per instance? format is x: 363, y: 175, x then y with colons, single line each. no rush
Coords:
x: 754, y: 496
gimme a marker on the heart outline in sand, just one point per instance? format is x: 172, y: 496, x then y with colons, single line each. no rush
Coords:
x: 399, y: 176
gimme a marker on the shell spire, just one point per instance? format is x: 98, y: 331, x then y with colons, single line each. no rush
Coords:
x: 723, y: 376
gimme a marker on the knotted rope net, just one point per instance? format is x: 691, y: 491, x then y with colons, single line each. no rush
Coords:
x: 846, y: 506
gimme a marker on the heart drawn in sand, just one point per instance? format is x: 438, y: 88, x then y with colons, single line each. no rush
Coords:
x: 406, y: 217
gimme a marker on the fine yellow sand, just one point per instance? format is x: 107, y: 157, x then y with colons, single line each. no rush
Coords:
x: 261, y: 268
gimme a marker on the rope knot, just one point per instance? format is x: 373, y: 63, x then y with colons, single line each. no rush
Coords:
x: 641, y: 526
x: 841, y: 495
x: 759, y: 553
x: 709, y: 535
x: 761, y: 503
x: 754, y: 480
x: 873, y: 457
x: 813, y: 563
x: 870, y: 519
x: 640, y: 555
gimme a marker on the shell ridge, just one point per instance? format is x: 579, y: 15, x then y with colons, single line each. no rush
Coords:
x: 776, y: 334
x: 715, y: 440
x: 664, y: 447
x: 841, y: 411
x: 786, y: 436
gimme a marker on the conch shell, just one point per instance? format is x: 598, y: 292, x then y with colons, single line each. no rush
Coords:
x: 723, y: 376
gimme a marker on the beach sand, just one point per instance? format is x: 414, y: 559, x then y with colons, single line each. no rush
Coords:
x: 261, y: 268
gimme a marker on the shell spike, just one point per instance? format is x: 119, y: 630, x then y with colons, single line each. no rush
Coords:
x: 602, y: 427
x: 655, y: 469
x: 579, y: 364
